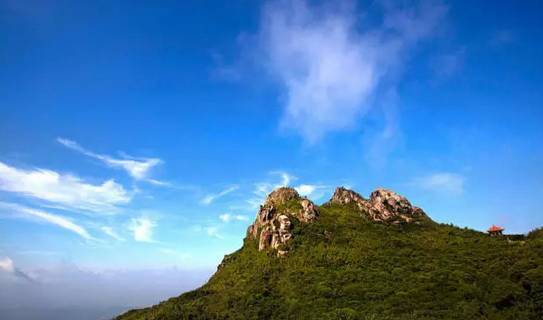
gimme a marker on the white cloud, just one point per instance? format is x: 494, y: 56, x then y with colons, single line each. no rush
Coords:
x: 240, y: 217
x: 142, y: 229
x: 110, y: 232
x: 227, y: 217
x: 64, y: 190
x: 306, y: 189
x: 329, y: 66
x: 312, y: 191
x: 19, y: 211
x: 262, y: 189
x: 6, y: 264
x: 213, y: 231
x: 207, y: 200
x: 441, y: 182
x: 286, y: 178
x: 138, y: 168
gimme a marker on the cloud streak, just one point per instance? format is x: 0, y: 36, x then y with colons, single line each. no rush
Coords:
x: 63, y: 190
x: 329, y: 67
x: 18, y: 211
x: 110, y: 232
x: 137, y: 168
x: 207, y: 200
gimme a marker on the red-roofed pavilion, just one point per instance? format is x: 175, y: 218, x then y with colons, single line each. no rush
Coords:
x: 495, y: 230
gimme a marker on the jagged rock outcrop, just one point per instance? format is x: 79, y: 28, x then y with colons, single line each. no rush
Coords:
x: 383, y: 205
x: 272, y: 227
x: 273, y: 223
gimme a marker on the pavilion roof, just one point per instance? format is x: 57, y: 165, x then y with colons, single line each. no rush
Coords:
x: 495, y: 228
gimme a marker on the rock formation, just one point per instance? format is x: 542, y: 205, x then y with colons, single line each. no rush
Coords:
x: 272, y: 227
x: 383, y: 205
x: 273, y: 224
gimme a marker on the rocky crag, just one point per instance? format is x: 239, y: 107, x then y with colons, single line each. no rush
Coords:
x: 284, y: 206
x: 383, y: 205
x: 273, y: 223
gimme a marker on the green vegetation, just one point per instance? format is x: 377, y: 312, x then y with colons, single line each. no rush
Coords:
x: 346, y: 267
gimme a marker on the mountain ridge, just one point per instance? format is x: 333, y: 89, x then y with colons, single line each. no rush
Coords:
x: 358, y: 258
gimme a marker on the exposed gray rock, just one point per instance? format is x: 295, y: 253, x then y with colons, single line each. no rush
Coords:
x: 273, y: 223
x: 383, y: 205
x: 309, y: 211
x: 272, y: 227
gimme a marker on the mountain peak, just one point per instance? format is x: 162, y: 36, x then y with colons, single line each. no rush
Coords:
x: 383, y: 205
x: 282, y: 195
x: 275, y: 218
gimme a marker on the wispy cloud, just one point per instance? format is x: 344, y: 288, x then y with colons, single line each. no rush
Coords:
x: 18, y: 211
x: 313, y: 191
x: 213, y: 231
x: 381, y: 141
x: 137, y: 168
x: 142, y: 229
x: 328, y: 65
x: 63, y: 190
x: 227, y: 217
x: 262, y: 189
x: 110, y: 232
x: 207, y: 200
x: 442, y: 182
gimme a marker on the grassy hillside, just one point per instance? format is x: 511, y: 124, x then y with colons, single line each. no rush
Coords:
x: 344, y: 266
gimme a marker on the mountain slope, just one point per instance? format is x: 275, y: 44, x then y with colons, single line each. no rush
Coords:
x: 356, y: 258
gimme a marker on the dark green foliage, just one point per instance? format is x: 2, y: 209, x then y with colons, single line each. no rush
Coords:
x: 345, y: 267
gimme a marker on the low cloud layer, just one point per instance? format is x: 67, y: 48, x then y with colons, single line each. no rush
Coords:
x: 68, y: 286
x: 7, y: 266
x: 329, y: 65
x: 63, y: 190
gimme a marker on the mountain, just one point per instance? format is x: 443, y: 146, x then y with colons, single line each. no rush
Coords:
x: 357, y: 258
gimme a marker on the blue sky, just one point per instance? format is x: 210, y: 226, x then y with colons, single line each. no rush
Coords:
x: 142, y: 136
